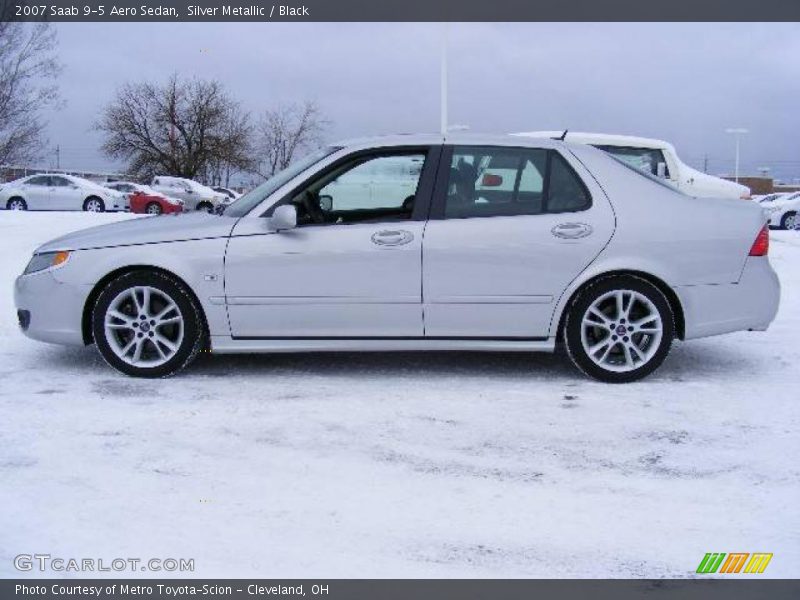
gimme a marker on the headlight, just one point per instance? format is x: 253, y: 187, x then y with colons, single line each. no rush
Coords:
x: 46, y: 260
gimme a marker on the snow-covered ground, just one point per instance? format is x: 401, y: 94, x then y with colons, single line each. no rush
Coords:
x: 429, y: 465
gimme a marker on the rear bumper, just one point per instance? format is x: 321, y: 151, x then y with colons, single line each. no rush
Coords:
x: 750, y: 304
x: 50, y: 311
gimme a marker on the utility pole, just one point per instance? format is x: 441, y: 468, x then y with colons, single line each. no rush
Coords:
x: 443, y: 82
x: 58, y: 157
x: 705, y: 163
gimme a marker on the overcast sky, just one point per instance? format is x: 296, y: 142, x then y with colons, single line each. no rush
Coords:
x: 684, y: 83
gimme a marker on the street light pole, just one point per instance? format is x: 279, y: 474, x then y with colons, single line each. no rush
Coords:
x: 443, y: 82
x: 738, y: 132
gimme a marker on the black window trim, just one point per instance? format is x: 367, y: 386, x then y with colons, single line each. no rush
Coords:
x: 425, y: 187
x: 439, y: 201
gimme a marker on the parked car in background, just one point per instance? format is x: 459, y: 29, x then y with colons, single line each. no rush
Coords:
x: 195, y: 196
x: 603, y: 258
x: 783, y: 211
x: 658, y: 158
x: 229, y: 193
x: 145, y: 200
x: 60, y: 192
x: 769, y: 197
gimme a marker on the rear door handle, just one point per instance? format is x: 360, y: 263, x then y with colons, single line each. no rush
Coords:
x: 392, y: 237
x: 571, y: 231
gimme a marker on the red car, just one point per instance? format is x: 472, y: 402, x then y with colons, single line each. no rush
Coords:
x: 145, y: 200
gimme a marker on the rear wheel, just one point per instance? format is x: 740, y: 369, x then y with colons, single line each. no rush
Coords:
x: 154, y: 208
x: 16, y: 204
x: 789, y: 220
x: 147, y: 324
x: 619, y: 329
x: 94, y: 204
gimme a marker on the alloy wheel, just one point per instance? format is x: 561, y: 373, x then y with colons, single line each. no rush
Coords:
x: 94, y: 205
x: 144, y: 326
x: 621, y: 330
x: 16, y: 205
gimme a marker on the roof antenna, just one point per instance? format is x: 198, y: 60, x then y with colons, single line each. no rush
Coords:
x: 563, y: 135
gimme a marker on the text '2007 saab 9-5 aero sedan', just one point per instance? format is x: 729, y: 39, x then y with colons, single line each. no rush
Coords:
x: 416, y: 243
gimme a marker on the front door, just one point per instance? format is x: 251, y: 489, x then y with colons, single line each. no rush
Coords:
x: 37, y: 192
x: 352, y: 266
x: 509, y: 231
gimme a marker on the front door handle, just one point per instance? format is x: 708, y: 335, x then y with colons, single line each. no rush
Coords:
x: 571, y: 231
x: 394, y: 237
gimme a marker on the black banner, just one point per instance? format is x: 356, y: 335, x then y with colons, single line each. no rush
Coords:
x: 404, y: 589
x: 401, y: 10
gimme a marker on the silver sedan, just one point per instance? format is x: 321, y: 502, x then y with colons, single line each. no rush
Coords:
x: 416, y: 243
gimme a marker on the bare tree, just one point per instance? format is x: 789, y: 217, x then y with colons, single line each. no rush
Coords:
x: 286, y: 131
x: 28, y: 74
x: 184, y: 128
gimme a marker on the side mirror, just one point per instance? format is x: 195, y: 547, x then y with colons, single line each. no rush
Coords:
x: 661, y: 170
x: 283, y: 218
x: 326, y: 203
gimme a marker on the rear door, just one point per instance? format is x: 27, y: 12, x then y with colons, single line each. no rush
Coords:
x: 64, y: 195
x: 510, y: 229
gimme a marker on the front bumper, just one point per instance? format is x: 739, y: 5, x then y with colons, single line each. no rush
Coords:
x: 53, y: 310
x: 750, y: 304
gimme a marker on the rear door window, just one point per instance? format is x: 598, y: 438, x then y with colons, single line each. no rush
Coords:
x: 492, y: 181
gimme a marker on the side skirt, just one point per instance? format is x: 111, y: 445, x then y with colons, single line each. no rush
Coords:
x: 228, y: 345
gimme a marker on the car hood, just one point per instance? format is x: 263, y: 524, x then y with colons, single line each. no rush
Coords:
x: 145, y: 230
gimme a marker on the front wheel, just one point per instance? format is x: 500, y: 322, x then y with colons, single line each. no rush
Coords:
x: 206, y: 206
x: 789, y: 220
x: 619, y: 329
x: 93, y: 204
x: 147, y: 324
x: 16, y: 204
x: 154, y: 208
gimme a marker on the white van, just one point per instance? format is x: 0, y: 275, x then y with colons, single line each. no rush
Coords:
x: 656, y: 157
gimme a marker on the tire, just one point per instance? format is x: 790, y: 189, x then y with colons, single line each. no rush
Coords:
x: 163, y: 349
x: 206, y: 206
x: 642, y: 333
x: 94, y: 204
x: 789, y: 220
x: 154, y: 208
x: 16, y: 203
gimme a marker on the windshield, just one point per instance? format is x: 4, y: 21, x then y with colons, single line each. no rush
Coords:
x: 242, y: 206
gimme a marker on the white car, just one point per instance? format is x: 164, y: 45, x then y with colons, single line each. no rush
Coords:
x: 195, y: 196
x: 783, y: 210
x: 658, y: 158
x: 230, y: 194
x: 59, y: 192
x: 581, y: 250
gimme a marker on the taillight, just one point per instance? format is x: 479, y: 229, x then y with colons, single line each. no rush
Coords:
x: 761, y: 246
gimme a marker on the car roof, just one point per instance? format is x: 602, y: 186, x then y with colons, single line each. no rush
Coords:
x: 609, y: 139
x: 457, y: 138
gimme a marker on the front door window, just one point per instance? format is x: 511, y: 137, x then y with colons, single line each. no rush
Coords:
x: 374, y: 189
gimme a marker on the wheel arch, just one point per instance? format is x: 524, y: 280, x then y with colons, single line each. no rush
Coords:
x: 664, y: 288
x: 86, y: 317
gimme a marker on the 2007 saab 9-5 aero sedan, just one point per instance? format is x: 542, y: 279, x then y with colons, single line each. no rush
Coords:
x: 416, y: 243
